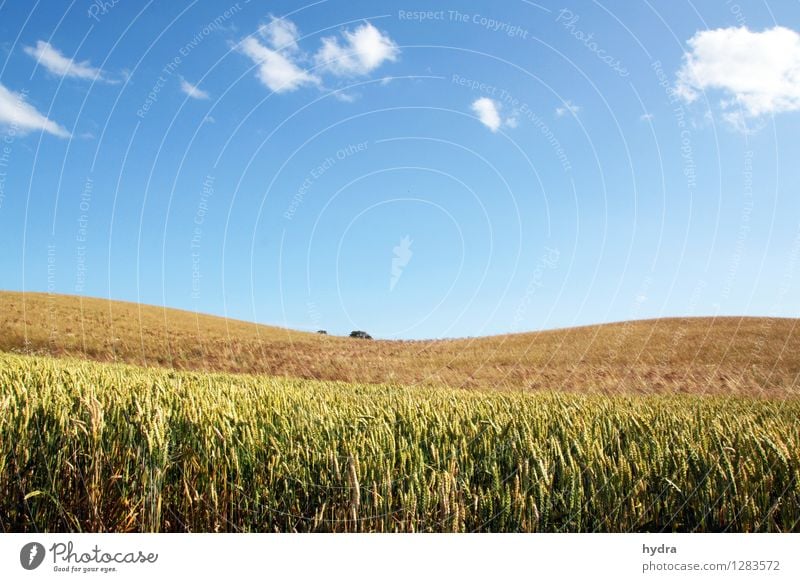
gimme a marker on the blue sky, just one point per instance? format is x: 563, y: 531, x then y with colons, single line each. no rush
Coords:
x: 412, y: 169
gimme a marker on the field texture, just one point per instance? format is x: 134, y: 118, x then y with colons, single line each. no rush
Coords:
x: 108, y: 447
x: 726, y: 356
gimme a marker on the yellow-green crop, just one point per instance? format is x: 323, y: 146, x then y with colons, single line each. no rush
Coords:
x: 101, y: 447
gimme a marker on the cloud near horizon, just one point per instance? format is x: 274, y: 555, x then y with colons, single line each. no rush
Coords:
x: 758, y: 73
x: 16, y: 112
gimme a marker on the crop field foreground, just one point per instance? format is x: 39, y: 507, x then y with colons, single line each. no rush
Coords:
x: 109, y: 447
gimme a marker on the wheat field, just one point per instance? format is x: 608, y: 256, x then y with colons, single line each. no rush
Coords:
x: 97, y: 447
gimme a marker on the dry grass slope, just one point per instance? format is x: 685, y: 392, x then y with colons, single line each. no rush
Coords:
x: 743, y: 356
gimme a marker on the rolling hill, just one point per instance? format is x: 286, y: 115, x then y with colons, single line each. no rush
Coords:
x: 741, y: 356
x: 602, y: 428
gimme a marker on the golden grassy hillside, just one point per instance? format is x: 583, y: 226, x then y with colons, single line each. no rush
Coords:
x: 746, y: 356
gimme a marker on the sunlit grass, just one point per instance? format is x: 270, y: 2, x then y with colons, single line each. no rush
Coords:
x: 101, y: 447
x: 728, y: 356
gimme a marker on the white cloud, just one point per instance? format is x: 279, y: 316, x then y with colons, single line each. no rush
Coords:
x: 55, y: 62
x: 646, y: 117
x: 488, y: 111
x: 758, y: 73
x: 280, y: 34
x: 279, y: 57
x: 568, y: 107
x: 345, y: 97
x: 276, y: 70
x: 17, y: 113
x: 193, y: 91
x: 362, y: 51
x: 738, y: 120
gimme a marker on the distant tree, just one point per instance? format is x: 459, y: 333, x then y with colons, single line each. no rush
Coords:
x: 322, y: 332
x: 360, y: 335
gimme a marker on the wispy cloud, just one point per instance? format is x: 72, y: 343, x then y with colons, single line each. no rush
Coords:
x: 402, y: 254
x: 280, y: 34
x: 758, y: 73
x: 357, y: 52
x: 54, y: 61
x: 16, y: 112
x: 646, y: 117
x: 345, y: 97
x: 567, y: 107
x: 193, y: 91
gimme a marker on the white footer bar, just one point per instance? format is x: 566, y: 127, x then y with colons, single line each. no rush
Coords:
x: 407, y: 557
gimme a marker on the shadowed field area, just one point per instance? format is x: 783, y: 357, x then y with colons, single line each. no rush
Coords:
x: 743, y: 356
